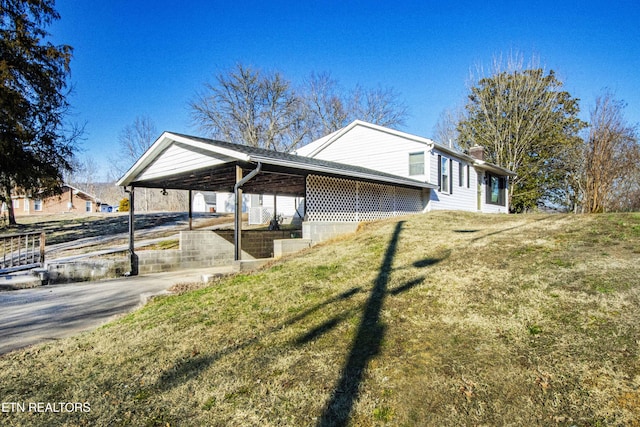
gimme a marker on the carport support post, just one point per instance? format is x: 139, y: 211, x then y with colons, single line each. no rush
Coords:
x: 132, y: 254
x: 275, y: 206
x: 237, y: 189
x: 237, y: 235
x: 190, y: 213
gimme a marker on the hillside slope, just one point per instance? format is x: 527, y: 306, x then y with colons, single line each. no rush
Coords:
x: 438, y: 319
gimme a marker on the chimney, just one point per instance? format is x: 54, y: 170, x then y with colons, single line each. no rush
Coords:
x: 477, y: 152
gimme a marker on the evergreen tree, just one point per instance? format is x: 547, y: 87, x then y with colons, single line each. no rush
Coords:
x: 528, y: 124
x: 35, y: 150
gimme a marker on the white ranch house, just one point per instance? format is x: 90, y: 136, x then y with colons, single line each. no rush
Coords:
x: 362, y: 172
x: 464, y: 182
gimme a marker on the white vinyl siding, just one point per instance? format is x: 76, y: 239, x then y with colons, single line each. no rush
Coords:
x: 463, y: 198
x: 176, y: 159
x: 370, y: 148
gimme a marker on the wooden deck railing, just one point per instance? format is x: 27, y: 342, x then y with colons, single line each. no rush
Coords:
x: 21, y: 251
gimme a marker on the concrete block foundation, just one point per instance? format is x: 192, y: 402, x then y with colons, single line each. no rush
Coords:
x: 319, y: 231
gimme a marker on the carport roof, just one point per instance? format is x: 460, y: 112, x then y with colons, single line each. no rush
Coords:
x: 177, y: 161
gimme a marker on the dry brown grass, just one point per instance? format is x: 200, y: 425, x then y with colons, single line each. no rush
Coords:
x: 439, y: 319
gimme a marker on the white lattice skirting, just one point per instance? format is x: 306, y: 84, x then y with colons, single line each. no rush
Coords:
x: 342, y: 200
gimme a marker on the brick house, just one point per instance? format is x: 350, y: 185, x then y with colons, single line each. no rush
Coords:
x: 71, y: 200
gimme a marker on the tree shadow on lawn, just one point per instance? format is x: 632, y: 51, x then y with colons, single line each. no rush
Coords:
x: 369, y: 336
x: 365, y: 346
x: 504, y: 230
x: 191, y: 366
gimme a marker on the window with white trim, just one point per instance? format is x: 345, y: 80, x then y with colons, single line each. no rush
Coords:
x: 416, y: 163
x: 37, y: 205
x: 88, y: 206
x: 444, y: 174
x: 496, y: 186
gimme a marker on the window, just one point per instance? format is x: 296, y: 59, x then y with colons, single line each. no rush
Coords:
x: 16, y: 203
x: 460, y: 175
x: 496, y: 186
x: 444, y: 177
x: 468, y: 177
x: 37, y: 205
x: 416, y: 163
x: 88, y: 206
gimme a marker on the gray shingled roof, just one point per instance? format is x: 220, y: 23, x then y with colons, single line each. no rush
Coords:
x: 275, y: 165
x: 302, y: 162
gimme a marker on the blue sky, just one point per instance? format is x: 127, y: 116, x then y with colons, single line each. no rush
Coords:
x: 149, y: 58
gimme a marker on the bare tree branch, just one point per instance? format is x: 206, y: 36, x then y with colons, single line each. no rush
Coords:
x: 611, y: 158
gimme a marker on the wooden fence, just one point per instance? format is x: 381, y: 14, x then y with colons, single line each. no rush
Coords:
x: 21, y: 251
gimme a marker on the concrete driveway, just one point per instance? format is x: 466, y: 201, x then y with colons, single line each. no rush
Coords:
x: 31, y: 316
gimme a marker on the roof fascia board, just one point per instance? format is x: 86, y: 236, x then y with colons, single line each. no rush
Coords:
x: 336, y: 135
x: 210, y: 147
x: 164, y: 141
x: 157, y: 147
x: 481, y: 164
x: 77, y: 190
x: 453, y: 152
x: 378, y: 128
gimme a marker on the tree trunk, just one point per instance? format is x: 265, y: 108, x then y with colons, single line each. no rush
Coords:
x: 9, y: 202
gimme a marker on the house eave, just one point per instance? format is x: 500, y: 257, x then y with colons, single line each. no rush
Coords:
x: 482, y: 165
x: 329, y: 139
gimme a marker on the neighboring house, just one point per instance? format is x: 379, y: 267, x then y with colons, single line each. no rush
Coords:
x: 70, y: 200
x: 261, y: 207
x: 464, y: 181
x: 204, y: 201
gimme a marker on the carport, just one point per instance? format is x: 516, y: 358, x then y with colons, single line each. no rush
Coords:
x: 333, y: 192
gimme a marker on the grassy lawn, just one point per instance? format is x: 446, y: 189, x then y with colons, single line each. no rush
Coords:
x: 443, y: 319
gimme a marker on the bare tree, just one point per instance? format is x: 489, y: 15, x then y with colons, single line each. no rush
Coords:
x: 84, y: 175
x: 611, y: 158
x: 325, y: 107
x: 134, y: 140
x: 380, y: 106
x: 446, y: 128
x: 248, y: 106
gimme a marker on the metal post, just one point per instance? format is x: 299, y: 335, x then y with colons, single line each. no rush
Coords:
x: 237, y: 189
x: 237, y: 235
x: 132, y: 254
x: 190, y: 212
x: 275, y: 206
x: 42, y: 245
